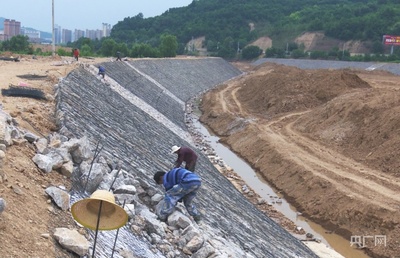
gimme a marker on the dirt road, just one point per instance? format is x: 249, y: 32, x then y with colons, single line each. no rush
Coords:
x: 305, y: 133
x: 345, y: 174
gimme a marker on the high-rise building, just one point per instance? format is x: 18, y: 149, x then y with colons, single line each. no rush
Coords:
x: 66, y: 36
x: 94, y: 34
x: 106, y: 29
x: 11, y: 28
x: 61, y: 36
x: 78, y: 34
x: 57, y: 34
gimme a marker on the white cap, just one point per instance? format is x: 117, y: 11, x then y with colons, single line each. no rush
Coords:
x: 174, y: 149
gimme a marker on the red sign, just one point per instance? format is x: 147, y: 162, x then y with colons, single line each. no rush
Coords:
x: 391, y: 40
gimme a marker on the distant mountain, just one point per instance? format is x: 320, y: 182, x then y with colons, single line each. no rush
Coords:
x: 45, y: 35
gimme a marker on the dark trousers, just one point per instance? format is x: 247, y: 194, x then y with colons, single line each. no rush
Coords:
x: 191, y: 166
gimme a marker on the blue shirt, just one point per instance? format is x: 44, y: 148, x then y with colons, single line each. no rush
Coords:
x: 180, y: 176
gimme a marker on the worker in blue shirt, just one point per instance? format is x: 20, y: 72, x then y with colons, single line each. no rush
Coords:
x: 102, y: 71
x: 180, y: 185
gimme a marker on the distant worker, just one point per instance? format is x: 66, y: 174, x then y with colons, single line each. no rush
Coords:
x: 76, y: 54
x: 186, y: 155
x: 102, y: 71
x: 180, y: 185
x: 118, y: 56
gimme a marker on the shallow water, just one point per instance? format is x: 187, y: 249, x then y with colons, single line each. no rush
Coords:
x: 262, y: 188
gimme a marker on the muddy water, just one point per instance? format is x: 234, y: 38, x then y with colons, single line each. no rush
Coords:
x: 261, y: 187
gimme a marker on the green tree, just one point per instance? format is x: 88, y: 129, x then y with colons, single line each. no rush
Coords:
x: 292, y: 46
x: 318, y: 54
x: 367, y: 58
x: 280, y: 20
x: 181, y: 49
x: 107, y: 47
x: 60, y: 52
x: 334, y: 52
x: 96, y: 45
x: 212, y: 46
x: 275, y: 52
x: 168, y: 45
x: 297, y: 53
x: 17, y: 43
x: 38, y: 51
x: 251, y: 52
x: 144, y: 50
x: 80, y: 42
x: 377, y: 47
x: 122, y: 48
x: 227, y: 49
x: 86, y: 50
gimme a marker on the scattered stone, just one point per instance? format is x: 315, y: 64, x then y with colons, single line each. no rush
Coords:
x: 309, y: 235
x: 72, y: 240
x: 17, y: 190
x: 2, y: 205
x: 60, y: 197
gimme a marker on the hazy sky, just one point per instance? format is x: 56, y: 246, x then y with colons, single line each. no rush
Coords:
x: 81, y: 14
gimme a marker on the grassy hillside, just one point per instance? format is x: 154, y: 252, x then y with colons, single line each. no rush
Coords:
x: 225, y: 24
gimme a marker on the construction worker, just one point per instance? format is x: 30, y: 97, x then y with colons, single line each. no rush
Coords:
x: 76, y: 54
x: 118, y: 56
x: 186, y: 155
x: 102, y: 71
x: 180, y: 185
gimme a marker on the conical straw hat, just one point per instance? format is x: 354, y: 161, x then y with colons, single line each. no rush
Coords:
x: 86, y: 211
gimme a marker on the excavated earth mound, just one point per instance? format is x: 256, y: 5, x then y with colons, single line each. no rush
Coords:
x: 287, y: 89
x: 328, y: 139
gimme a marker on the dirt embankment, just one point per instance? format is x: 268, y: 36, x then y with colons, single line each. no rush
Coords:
x: 327, y: 139
x: 30, y: 217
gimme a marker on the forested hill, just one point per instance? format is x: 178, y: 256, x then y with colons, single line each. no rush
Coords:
x: 227, y: 21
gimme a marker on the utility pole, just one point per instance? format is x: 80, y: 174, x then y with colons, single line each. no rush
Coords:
x: 343, y: 51
x: 53, y: 37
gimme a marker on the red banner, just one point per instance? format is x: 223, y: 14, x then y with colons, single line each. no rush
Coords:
x: 391, y: 40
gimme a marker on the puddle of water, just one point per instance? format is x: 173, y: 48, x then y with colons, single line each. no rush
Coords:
x: 262, y: 188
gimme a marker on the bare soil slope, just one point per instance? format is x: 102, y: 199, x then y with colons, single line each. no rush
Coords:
x: 318, y: 41
x: 30, y: 217
x: 263, y: 43
x: 327, y: 139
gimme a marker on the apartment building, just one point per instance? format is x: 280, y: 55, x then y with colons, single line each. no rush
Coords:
x: 11, y: 28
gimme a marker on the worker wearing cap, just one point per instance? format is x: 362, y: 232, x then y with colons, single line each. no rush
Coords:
x: 186, y: 155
